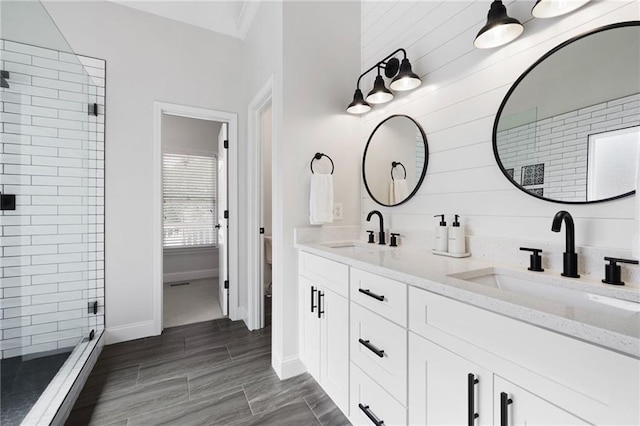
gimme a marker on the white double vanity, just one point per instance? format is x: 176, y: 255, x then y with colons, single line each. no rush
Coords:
x: 399, y: 337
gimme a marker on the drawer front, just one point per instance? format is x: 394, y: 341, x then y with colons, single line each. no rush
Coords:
x: 333, y: 275
x: 596, y: 384
x: 367, y: 289
x: 368, y: 394
x: 379, y: 347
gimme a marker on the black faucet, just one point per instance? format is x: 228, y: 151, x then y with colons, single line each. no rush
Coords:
x: 570, y: 258
x: 381, y: 233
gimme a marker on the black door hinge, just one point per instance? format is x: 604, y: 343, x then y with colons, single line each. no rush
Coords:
x: 92, y: 334
x: 262, y: 230
x: 93, y: 308
x: 93, y: 109
x: 226, y: 283
x: 226, y: 144
x: 7, y: 202
x: 226, y: 214
x: 4, y: 75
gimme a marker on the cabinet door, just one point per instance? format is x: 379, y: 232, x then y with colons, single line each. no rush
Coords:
x: 310, y: 326
x: 334, y: 347
x: 516, y: 406
x: 440, y: 388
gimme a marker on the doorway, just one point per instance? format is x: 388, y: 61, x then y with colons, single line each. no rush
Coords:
x: 194, y: 229
x: 194, y: 223
x: 266, y: 131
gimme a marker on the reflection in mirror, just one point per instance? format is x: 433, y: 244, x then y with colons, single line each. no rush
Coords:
x: 395, y: 160
x: 569, y: 128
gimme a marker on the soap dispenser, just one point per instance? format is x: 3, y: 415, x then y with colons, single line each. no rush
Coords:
x: 441, y: 235
x: 456, y: 237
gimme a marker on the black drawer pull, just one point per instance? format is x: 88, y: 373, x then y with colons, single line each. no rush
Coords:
x: 320, y: 311
x: 371, y: 416
x: 471, y: 383
x: 313, y: 291
x: 504, y: 408
x: 368, y: 293
x: 372, y: 348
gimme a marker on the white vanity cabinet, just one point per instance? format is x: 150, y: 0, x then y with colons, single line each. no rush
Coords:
x: 323, y: 287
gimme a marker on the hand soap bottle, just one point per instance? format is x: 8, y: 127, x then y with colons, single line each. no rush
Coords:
x: 456, y: 238
x: 441, y: 235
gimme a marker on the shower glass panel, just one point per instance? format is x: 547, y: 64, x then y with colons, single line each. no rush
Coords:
x: 51, y: 213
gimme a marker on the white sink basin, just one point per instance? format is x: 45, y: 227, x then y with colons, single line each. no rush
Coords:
x: 354, y: 247
x: 570, y: 293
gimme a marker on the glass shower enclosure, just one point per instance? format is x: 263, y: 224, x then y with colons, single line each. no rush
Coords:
x: 51, y: 214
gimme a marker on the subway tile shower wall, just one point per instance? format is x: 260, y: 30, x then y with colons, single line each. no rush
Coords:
x: 52, y: 159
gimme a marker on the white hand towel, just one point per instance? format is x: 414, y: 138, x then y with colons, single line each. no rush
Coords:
x: 321, y: 199
x: 400, y: 190
x: 392, y: 193
x: 635, y: 244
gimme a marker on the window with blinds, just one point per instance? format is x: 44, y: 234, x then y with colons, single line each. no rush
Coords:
x: 189, y: 200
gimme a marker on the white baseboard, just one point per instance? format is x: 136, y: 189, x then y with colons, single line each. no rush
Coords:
x: 128, y: 332
x: 287, y: 367
x: 241, y: 315
x: 189, y: 275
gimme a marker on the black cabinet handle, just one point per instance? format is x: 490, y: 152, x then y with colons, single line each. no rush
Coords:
x: 372, y: 348
x: 320, y: 311
x: 504, y: 410
x: 368, y: 293
x: 371, y: 416
x: 313, y: 291
x: 471, y: 384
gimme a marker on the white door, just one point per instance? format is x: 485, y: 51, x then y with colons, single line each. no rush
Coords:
x: 516, y: 406
x: 223, y: 223
x: 441, y: 392
x: 334, y: 344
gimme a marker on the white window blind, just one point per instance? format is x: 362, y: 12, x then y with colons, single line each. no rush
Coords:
x: 189, y: 200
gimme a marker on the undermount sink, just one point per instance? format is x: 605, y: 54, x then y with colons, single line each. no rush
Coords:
x: 558, y: 290
x: 355, y: 247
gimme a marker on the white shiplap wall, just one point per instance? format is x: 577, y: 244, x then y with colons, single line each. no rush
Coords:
x: 52, y: 159
x: 456, y: 105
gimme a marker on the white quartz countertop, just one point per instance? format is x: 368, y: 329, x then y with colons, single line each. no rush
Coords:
x: 612, y: 328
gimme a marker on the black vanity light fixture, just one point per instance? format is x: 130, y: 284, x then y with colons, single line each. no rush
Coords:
x: 553, y: 8
x: 403, y: 79
x: 500, y: 28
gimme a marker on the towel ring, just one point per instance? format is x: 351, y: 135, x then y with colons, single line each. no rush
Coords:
x: 318, y: 156
x: 393, y: 166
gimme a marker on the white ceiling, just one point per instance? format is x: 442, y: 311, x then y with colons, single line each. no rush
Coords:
x: 230, y: 17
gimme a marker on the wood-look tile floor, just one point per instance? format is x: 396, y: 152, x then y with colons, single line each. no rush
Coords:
x: 210, y: 373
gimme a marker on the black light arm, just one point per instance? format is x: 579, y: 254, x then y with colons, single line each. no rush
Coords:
x: 383, y: 64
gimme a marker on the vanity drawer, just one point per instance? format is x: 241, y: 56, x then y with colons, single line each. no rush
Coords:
x: 379, y: 347
x: 375, y: 400
x: 333, y: 275
x: 367, y: 289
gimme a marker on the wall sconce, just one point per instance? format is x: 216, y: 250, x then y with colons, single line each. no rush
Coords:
x: 403, y: 79
x: 500, y: 28
x: 553, y: 8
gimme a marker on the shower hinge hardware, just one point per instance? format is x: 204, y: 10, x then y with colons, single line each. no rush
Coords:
x: 226, y: 144
x: 226, y: 214
x: 4, y: 75
x: 262, y: 230
x: 226, y: 283
x: 93, y: 109
x: 7, y: 202
x: 93, y: 308
x: 92, y: 334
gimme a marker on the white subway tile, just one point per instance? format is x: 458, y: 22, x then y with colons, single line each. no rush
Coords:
x: 31, y: 190
x: 624, y: 100
x: 75, y: 97
x: 56, y: 123
x: 14, y: 179
x: 74, y: 323
x: 55, y: 142
x: 28, y: 49
x: 15, y: 57
x: 56, y: 239
x: 73, y: 134
x: 12, y: 261
x: 15, y: 241
x: 56, y: 336
x: 44, y: 200
x: 34, y: 210
x: 15, y: 139
x: 56, y: 220
x: 30, y: 310
x: 74, y: 286
x: 12, y: 302
x: 73, y: 267
x: 19, y: 342
x: 44, y: 92
x: 75, y: 191
x: 30, y: 250
x: 56, y: 297
x: 30, y: 130
x: 56, y: 161
x: 30, y: 349
x: 28, y: 150
x: 30, y: 330
x: 15, y: 322
x: 29, y: 270
x: 15, y: 220
x: 31, y: 70
x: 58, y: 104
x: 92, y: 62
x: 29, y: 230
x: 57, y: 181
x: 6, y: 117
x: 73, y: 115
x: 56, y: 316
x: 73, y: 172
x: 47, y: 259
x: 56, y: 278
x: 57, y: 65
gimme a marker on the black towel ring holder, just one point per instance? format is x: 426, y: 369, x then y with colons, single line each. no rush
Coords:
x: 318, y: 156
x: 393, y: 166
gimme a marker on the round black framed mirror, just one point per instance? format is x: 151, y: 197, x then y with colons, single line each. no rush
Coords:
x: 395, y: 160
x: 568, y: 130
